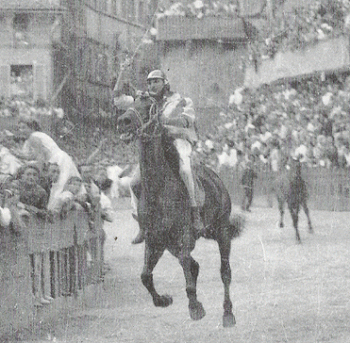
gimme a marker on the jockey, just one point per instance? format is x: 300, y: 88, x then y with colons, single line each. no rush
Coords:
x: 178, y: 116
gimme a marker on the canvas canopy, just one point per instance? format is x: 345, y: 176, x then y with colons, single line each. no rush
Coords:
x: 325, y: 56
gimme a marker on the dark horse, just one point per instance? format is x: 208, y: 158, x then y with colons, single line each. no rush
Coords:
x: 292, y: 188
x: 164, y: 210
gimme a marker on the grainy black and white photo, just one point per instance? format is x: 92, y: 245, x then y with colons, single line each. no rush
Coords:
x: 174, y: 171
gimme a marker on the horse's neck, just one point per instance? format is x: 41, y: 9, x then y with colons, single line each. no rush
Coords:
x: 153, y: 165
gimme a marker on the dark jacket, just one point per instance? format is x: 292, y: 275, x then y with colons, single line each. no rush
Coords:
x: 248, y: 177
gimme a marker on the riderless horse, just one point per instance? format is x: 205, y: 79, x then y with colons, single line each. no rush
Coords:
x: 292, y: 188
x: 164, y: 209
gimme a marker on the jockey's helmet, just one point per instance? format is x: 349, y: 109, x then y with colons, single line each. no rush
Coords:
x: 157, y: 74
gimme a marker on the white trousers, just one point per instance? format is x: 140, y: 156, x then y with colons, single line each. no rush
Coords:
x: 184, y: 149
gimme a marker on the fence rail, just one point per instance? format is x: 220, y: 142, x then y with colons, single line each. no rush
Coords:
x: 59, y: 258
x: 329, y: 189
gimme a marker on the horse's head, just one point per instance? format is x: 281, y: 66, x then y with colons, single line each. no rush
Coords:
x: 137, y: 119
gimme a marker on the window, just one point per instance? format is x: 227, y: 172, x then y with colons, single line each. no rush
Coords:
x: 22, y: 80
x: 21, y: 21
x: 21, y: 26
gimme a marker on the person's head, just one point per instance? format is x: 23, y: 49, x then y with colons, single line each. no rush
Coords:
x: 74, y: 185
x: 27, y: 126
x: 157, y: 84
x: 54, y: 172
x: 12, y: 189
x: 86, y: 172
x: 30, y: 175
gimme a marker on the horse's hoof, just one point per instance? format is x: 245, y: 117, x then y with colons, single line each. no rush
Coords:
x: 281, y: 225
x: 228, y: 320
x: 163, y: 301
x: 311, y: 230
x: 197, y: 311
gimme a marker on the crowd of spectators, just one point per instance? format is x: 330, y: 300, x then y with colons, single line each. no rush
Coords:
x: 46, y: 184
x: 307, y: 119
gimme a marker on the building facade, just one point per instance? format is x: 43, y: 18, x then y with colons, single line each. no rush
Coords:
x: 27, y: 32
x: 69, y: 52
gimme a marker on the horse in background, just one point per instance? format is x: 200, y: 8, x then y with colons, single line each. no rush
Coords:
x: 164, y: 209
x: 291, y: 188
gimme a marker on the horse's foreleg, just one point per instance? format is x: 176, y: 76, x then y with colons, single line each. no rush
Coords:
x: 191, y: 271
x: 225, y: 248
x: 306, y: 210
x: 295, y: 216
x: 152, y: 256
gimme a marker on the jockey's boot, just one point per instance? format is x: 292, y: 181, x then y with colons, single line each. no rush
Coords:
x: 139, y: 238
x: 197, y: 222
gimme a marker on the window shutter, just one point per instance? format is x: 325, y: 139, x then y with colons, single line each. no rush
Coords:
x: 5, y: 80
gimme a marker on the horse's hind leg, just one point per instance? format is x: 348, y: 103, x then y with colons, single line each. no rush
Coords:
x: 152, y: 256
x: 306, y: 210
x: 281, y: 209
x: 191, y: 270
x: 225, y: 248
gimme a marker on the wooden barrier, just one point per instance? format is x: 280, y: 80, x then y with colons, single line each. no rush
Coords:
x: 63, y: 257
x: 329, y: 189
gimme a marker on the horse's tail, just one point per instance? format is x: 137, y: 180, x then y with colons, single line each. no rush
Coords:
x: 236, y: 226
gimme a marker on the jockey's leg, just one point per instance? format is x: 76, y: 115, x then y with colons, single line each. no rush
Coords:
x: 184, y: 149
x: 135, y: 190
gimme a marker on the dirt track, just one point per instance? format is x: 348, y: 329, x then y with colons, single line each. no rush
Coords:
x: 281, y: 291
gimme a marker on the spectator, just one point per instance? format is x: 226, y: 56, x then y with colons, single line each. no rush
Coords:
x: 34, y: 202
x: 40, y: 147
x: 101, y: 209
x: 66, y: 200
x: 344, y: 155
x: 5, y: 213
x: 31, y: 194
x: 247, y: 182
x: 51, y: 178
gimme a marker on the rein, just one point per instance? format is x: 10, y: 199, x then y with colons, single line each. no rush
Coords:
x: 153, y: 116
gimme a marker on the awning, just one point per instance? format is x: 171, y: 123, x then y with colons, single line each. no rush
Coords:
x: 325, y: 56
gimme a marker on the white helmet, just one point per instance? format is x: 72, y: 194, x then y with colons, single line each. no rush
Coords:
x: 159, y: 74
